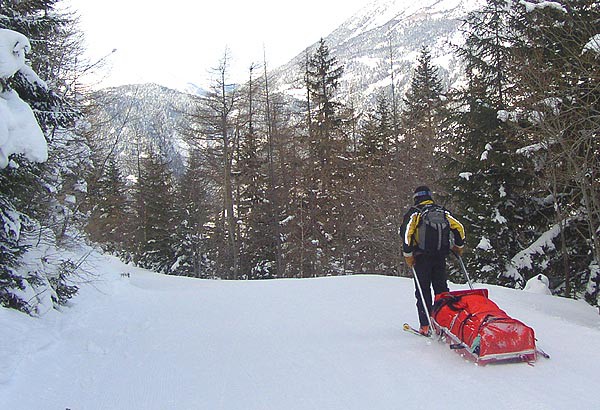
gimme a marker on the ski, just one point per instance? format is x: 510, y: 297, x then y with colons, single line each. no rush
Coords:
x: 542, y: 353
x: 408, y: 328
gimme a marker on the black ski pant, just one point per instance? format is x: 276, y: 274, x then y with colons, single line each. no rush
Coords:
x: 431, y: 271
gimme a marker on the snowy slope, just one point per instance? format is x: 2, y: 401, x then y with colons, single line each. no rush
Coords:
x: 154, y: 342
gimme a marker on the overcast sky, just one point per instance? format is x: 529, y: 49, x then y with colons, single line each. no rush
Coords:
x: 177, y: 41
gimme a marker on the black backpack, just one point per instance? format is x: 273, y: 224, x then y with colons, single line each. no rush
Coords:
x: 434, y: 230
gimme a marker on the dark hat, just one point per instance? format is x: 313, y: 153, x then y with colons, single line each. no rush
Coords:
x: 422, y: 193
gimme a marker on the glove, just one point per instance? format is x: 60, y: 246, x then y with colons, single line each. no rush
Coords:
x: 410, y: 260
x: 458, y: 250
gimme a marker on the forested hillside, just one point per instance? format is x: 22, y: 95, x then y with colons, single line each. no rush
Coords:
x: 256, y: 181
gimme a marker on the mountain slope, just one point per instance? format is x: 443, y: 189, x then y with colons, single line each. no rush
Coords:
x: 143, y: 117
x: 156, y: 342
x: 387, y: 30
x: 365, y: 45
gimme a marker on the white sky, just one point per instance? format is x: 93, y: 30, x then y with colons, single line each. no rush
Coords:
x: 178, y: 41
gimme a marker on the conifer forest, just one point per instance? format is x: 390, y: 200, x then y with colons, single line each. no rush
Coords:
x: 295, y: 186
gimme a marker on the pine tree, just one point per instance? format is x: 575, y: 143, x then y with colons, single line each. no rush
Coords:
x: 44, y: 205
x: 326, y: 167
x: 276, y: 186
x: 283, y: 207
x: 154, y: 215
x: 16, y: 188
x: 488, y: 181
x: 253, y: 168
x: 110, y: 219
x: 191, y: 225
x: 377, y: 136
x: 215, y: 128
x: 323, y: 75
x: 422, y: 120
x: 557, y: 78
x: 374, y: 193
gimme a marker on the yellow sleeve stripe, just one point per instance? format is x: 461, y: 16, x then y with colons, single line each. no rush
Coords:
x: 411, y: 227
x: 456, y: 225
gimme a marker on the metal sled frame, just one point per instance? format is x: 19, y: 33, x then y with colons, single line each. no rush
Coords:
x: 529, y: 355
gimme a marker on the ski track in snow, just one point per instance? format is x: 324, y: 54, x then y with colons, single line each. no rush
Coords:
x: 154, y: 342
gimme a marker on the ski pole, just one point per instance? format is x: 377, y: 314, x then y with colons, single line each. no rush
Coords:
x: 422, y: 298
x: 462, y: 264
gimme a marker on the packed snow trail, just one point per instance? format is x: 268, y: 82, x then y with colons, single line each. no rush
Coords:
x: 149, y: 341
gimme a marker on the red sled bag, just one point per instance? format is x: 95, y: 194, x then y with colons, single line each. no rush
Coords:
x: 474, y: 324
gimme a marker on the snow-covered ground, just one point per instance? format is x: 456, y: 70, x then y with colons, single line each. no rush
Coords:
x: 155, y: 342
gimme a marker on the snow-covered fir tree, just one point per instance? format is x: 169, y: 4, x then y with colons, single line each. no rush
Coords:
x: 39, y: 197
x: 154, y: 214
x: 488, y: 181
x: 557, y: 78
x: 110, y: 220
x: 193, y: 214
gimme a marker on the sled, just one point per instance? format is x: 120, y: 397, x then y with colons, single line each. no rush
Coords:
x: 477, y: 328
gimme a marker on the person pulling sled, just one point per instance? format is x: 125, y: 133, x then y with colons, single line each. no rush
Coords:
x: 429, y: 232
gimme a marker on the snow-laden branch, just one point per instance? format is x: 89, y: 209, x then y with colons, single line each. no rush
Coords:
x: 19, y: 130
x: 593, y: 45
x: 13, y: 47
x: 530, y: 6
x: 524, y: 259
